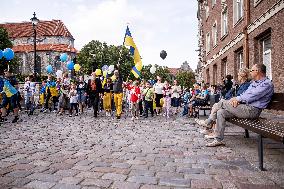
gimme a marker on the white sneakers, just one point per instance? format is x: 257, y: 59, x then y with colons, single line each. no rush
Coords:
x: 215, y: 143
x: 210, y: 136
x: 201, y: 122
x: 205, y: 131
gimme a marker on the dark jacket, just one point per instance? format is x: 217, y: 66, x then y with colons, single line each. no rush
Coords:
x: 98, y: 87
x: 108, y: 88
x: 117, y: 85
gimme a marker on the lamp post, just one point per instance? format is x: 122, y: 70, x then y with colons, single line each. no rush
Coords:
x: 34, y: 23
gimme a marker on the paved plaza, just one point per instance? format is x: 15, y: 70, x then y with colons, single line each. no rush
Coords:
x: 58, y: 152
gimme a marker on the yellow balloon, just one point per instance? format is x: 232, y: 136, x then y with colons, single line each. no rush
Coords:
x: 77, y: 67
x: 113, y: 77
x: 98, y: 72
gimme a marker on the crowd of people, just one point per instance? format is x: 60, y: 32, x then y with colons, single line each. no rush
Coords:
x: 244, y: 99
x: 109, y: 95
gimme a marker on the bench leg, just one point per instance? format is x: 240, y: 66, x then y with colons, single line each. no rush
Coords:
x: 260, y: 152
x: 246, y: 133
x: 204, y: 113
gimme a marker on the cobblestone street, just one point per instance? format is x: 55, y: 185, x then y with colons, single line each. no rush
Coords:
x: 48, y: 151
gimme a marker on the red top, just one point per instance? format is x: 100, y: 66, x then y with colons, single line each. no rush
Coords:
x: 134, y: 94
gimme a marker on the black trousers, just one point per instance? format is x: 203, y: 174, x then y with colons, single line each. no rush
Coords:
x: 94, y: 99
x: 148, y: 106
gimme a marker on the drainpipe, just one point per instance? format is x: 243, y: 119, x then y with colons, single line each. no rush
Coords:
x: 246, y: 39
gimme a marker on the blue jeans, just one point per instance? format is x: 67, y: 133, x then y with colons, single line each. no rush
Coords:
x: 185, y: 109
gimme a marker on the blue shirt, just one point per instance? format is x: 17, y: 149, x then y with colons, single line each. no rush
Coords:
x: 242, y: 88
x: 258, y: 94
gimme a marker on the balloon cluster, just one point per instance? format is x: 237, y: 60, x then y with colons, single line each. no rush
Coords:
x: 69, y: 64
x: 8, y: 54
x: 152, y: 69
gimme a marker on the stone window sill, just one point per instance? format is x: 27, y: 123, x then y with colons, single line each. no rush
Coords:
x: 224, y: 36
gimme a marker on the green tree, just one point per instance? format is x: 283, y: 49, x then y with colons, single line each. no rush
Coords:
x: 161, y: 71
x: 95, y: 55
x: 6, y: 43
x: 186, y: 79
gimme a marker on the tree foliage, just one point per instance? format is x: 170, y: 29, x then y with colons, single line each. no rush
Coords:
x: 5, y: 42
x: 161, y: 71
x: 186, y: 79
x: 96, y: 54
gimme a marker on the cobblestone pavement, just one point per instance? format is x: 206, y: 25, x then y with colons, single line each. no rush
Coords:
x: 47, y: 151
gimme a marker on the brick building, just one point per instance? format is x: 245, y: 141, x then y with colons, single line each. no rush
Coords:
x: 239, y: 33
x: 53, y: 38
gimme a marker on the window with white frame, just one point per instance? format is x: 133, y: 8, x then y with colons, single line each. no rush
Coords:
x: 266, y: 46
x: 208, y: 43
x: 207, y: 11
x: 238, y: 10
x: 214, y: 34
x: 241, y: 59
x: 213, y: 3
x: 224, y: 22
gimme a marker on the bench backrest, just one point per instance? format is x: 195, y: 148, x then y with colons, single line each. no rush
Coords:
x: 277, y: 102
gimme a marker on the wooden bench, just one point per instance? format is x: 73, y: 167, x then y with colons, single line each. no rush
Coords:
x: 264, y: 127
x: 212, y: 100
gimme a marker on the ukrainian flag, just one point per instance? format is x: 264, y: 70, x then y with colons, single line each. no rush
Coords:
x: 128, y: 41
x: 8, y: 89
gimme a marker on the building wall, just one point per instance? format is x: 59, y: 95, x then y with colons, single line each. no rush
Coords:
x: 274, y: 25
x: 46, y: 58
x: 44, y: 40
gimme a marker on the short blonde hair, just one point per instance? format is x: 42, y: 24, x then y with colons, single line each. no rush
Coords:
x: 244, y: 73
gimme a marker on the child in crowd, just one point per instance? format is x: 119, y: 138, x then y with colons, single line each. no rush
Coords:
x: 107, y: 98
x: 134, y: 100
x: 167, y: 99
x: 148, y: 94
x: 73, y: 96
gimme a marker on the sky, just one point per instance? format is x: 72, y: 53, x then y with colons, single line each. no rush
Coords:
x: 155, y: 25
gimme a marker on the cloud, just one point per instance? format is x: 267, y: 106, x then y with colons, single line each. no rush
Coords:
x: 155, y: 25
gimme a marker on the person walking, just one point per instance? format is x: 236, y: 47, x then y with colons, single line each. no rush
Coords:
x: 108, y: 90
x: 118, y: 92
x: 94, y: 90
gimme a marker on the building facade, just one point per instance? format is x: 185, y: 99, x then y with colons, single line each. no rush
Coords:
x: 239, y: 33
x: 53, y: 38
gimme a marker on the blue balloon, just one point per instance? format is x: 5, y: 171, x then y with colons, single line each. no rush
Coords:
x: 104, y: 68
x: 63, y: 57
x: 70, y: 65
x: 1, y: 54
x: 49, y: 69
x: 8, y: 54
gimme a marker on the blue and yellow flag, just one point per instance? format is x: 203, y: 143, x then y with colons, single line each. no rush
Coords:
x: 8, y: 89
x: 128, y: 41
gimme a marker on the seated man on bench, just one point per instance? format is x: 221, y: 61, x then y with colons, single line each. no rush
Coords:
x: 244, y: 83
x: 247, y: 105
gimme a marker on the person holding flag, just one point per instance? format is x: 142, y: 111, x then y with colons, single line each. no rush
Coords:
x: 9, y: 96
x: 128, y: 41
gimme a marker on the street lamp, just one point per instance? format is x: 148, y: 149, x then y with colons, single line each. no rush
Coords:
x: 34, y: 23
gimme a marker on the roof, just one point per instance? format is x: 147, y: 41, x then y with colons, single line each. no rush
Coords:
x: 44, y: 47
x: 44, y: 28
x: 174, y: 71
